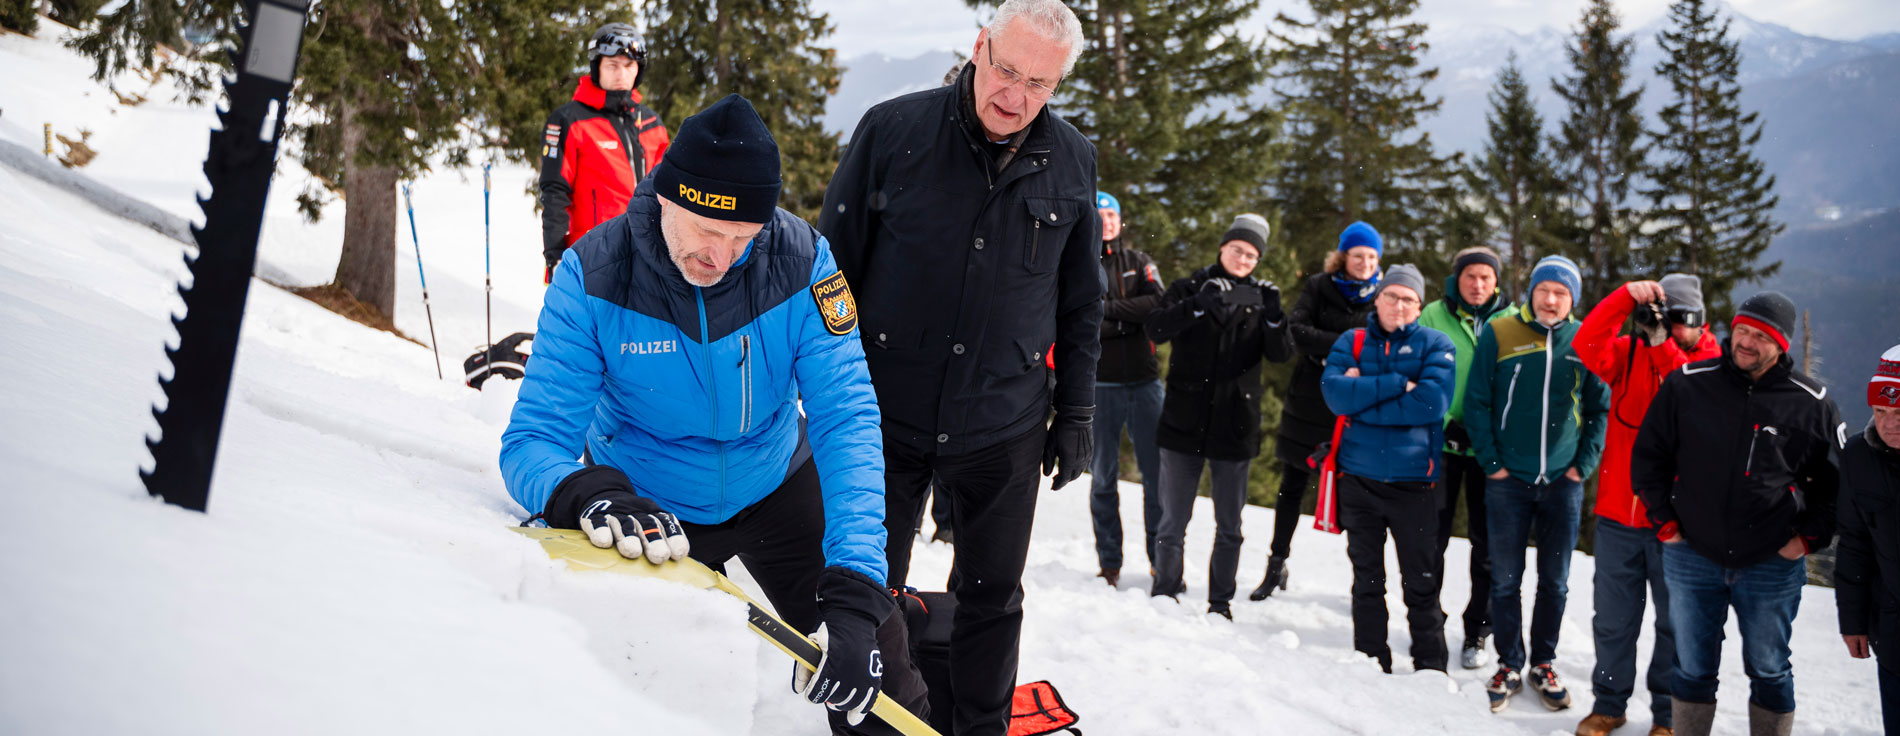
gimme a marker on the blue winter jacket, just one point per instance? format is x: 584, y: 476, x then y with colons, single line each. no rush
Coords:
x: 694, y: 392
x: 1395, y: 435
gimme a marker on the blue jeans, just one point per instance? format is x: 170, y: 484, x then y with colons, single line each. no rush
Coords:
x: 1137, y: 405
x: 1630, y: 570
x: 1514, y: 510
x: 1765, y: 595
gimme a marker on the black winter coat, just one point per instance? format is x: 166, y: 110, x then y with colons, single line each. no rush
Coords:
x: 1212, y: 408
x: 1134, y: 290
x: 1740, y: 465
x: 1867, y: 569
x: 965, y: 275
x: 1316, y: 322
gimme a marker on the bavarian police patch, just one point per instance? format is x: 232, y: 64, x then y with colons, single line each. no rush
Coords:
x: 834, y: 301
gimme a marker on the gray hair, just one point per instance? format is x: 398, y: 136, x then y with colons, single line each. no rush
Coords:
x: 1049, y: 18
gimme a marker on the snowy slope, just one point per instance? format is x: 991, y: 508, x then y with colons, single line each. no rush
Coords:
x: 353, y: 574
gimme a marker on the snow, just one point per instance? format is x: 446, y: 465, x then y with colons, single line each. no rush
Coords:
x: 353, y: 573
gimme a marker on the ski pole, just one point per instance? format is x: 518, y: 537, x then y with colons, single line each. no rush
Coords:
x: 488, y: 265
x: 425, y: 279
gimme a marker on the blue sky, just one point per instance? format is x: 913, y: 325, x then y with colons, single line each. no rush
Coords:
x: 905, y: 28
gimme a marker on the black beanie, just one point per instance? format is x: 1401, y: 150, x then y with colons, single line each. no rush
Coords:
x: 1771, y: 312
x: 722, y: 164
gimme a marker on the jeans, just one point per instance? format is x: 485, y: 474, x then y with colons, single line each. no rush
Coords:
x: 1286, y: 508
x: 1765, y: 595
x: 1464, y: 474
x: 1180, y: 479
x: 1629, y: 571
x: 1137, y: 405
x: 1369, y: 509
x: 1514, y: 510
x: 993, y: 506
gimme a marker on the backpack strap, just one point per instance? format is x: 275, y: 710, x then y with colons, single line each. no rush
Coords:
x: 1358, y: 342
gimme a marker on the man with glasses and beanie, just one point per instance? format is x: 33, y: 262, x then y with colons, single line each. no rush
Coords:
x: 964, y: 218
x: 697, y: 376
x: 599, y: 145
x: 1127, y: 392
x: 1669, y: 334
x: 1392, y: 381
x: 1737, y: 462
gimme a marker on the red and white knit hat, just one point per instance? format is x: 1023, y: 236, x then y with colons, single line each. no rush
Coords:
x: 1884, y: 389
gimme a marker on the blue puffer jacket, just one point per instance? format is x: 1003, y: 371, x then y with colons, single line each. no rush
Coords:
x: 1395, y: 434
x: 694, y: 392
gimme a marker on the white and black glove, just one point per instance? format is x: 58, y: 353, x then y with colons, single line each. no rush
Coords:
x: 600, y: 501
x: 850, y: 608
x: 1212, y: 294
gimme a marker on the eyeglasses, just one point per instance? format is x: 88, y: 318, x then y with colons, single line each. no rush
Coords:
x: 1010, y: 77
x: 1245, y: 254
x: 621, y: 43
x: 1395, y: 299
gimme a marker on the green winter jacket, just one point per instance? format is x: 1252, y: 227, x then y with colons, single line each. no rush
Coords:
x: 1530, y: 404
x: 1460, y: 322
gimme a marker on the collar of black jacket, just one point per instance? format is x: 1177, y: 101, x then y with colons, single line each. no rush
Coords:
x: 1782, y: 370
x: 1880, y: 447
x: 965, y: 112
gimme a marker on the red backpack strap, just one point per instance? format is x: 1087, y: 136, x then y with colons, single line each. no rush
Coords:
x: 1358, y: 342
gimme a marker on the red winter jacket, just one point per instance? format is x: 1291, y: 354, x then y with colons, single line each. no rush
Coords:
x: 1634, y: 371
x: 595, y: 154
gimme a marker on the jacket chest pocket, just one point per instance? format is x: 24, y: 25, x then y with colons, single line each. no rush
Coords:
x: 1050, y: 221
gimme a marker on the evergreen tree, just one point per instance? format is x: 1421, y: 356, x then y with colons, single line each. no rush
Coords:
x: 387, y: 85
x: 1516, y: 184
x: 1349, y: 85
x: 764, y: 50
x: 1161, y: 88
x: 1712, y: 197
x: 1599, y: 148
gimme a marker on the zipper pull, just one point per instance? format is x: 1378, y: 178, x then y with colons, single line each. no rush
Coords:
x: 745, y: 349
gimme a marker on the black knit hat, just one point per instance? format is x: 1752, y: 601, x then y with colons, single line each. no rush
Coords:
x: 723, y: 164
x: 1769, y: 312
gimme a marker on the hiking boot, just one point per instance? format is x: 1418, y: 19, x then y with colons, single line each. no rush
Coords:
x: 1549, y: 689
x: 1221, y: 609
x: 1472, y: 656
x: 1502, y: 686
x: 1694, y: 719
x: 1765, y: 722
x: 1112, y: 575
x: 1276, y: 578
x: 1597, y: 724
x: 1661, y: 731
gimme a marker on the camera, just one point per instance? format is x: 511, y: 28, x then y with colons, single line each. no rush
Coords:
x: 1648, y: 315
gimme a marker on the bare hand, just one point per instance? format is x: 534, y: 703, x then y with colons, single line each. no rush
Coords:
x: 1409, y: 385
x: 1857, y: 646
x: 1794, y: 549
x: 1500, y: 475
x: 1646, y: 292
x: 1573, y: 475
x: 1352, y: 372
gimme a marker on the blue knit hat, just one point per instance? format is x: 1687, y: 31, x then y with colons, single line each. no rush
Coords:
x: 1106, y: 201
x: 1561, y: 270
x: 1358, y: 234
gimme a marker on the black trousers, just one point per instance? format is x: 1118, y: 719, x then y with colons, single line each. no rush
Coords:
x: 1286, y: 507
x: 993, y: 505
x: 1465, y: 474
x: 1368, y: 510
x: 780, y: 540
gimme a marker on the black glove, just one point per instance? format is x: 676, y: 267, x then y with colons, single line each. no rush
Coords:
x: 1457, y: 437
x: 1270, y: 306
x: 850, y: 607
x: 1244, y: 295
x: 1071, y: 444
x: 1209, y: 297
x: 600, y: 501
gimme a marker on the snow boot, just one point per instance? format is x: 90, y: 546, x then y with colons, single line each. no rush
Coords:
x: 1472, y: 656
x: 1276, y: 578
x: 1692, y: 719
x: 1502, y: 686
x: 1597, y: 724
x: 1112, y: 575
x: 1549, y: 689
x: 1765, y: 722
x: 1221, y: 609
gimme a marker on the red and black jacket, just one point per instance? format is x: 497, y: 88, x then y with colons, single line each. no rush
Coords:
x: 1134, y: 290
x: 597, y: 150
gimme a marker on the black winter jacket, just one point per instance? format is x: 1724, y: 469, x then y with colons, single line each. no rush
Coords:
x: 965, y: 275
x: 1134, y: 290
x: 1316, y: 322
x: 1867, y: 569
x: 1740, y: 465
x: 1212, y: 407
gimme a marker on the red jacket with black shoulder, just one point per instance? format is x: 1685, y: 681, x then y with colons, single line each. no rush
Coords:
x: 597, y: 149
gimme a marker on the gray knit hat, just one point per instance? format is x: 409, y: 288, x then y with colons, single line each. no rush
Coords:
x: 1406, y: 275
x: 1249, y: 228
x: 1683, y: 290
